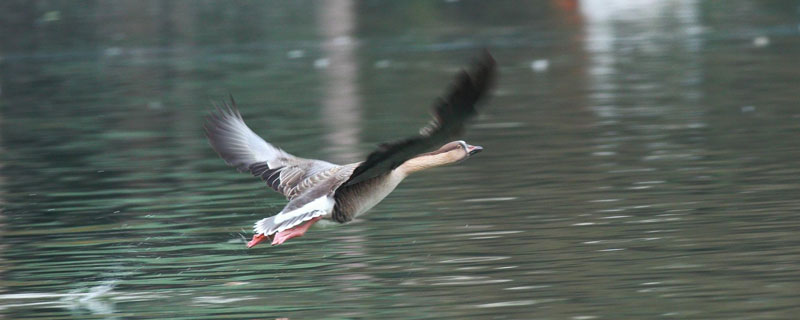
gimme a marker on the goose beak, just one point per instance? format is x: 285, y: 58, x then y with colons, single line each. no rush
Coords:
x: 474, y: 149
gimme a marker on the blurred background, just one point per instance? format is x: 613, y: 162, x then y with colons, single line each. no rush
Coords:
x: 641, y: 159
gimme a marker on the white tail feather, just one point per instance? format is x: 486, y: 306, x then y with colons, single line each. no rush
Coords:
x: 285, y: 220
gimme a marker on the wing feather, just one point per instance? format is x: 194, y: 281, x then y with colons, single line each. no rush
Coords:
x: 243, y: 149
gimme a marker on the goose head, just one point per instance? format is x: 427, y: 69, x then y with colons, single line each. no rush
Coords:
x: 451, y: 152
x: 458, y: 150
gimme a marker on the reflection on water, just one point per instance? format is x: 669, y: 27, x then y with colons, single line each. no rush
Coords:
x: 640, y: 160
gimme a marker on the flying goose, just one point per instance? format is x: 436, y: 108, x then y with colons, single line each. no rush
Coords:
x: 318, y: 189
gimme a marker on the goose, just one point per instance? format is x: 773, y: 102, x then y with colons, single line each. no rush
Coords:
x: 317, y: 189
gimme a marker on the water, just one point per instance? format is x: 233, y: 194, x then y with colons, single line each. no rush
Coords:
x: 640, y: 161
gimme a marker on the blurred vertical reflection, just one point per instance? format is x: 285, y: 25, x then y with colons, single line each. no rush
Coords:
x: 2, y: 194
x: 341, y: 109
x: 341, y: 116
x: 618, y: 36
x: 640, y: 51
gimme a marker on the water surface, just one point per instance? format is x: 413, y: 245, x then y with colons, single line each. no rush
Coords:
x: 640, y: 160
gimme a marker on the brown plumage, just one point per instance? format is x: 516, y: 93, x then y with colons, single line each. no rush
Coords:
x: 321, y: 190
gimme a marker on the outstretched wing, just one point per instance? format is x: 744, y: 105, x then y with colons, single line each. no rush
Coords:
x: 450, y: 115
x: 241, y: 148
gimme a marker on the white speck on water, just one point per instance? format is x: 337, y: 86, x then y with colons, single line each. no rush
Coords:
x: 649, y: 182
x: 540, y: 65
x: 527, y: 287
x: 694, y: 30
x: 475, y: 259
x: 679, y: 266
x: 321, y: 63
x: 489, y: 233
x: 112, y: 51
x: 583, y: 317
x: 658, y: 220
x: 506, y: 267
x: 51, y: 16
x: 509, y: 303
x: 295, y: 54
x: 633, y: 170
x: 761, y: 41
x: 491, y: 199
x: 583, y: 224
x: 219, y: 300
x: 605, y: 200
x: 611, y: 249
x: 604, y: 153
x: 342, y: 41
x: 458, y: 280
x: 382, y: 64
x: 155, y: 105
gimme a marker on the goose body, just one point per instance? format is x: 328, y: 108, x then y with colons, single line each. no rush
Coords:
x: 318, y: 189
x: 355, y: 200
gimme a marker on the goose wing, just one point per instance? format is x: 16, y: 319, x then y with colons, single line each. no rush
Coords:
x: 243, y: 149
x: 451, y: 113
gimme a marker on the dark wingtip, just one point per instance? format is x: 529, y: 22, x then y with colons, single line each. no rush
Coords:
x: 486, y: 58
x: 217, y: 125
x: 220, y: 111
x: 470, y: 87
x: 484, y: 70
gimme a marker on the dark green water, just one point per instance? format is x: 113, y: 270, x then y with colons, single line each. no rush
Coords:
x: 641, y: 160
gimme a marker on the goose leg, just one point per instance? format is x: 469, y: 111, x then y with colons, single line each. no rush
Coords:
x: 256, y: 239
x: 297, y: 231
